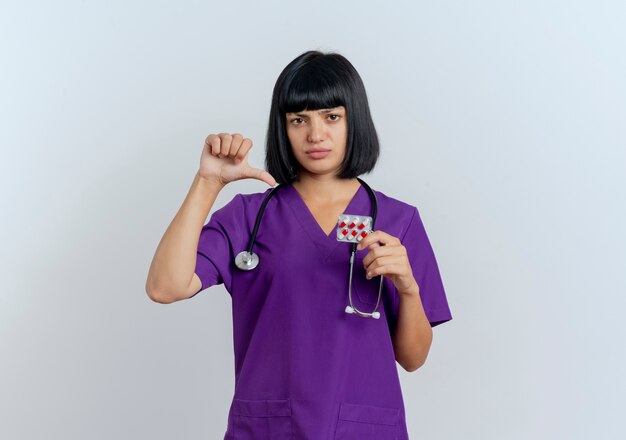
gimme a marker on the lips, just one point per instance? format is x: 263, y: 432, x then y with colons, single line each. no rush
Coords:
x: 318, y: 153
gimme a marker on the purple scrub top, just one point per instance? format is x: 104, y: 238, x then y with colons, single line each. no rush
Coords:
x: 304, y: 368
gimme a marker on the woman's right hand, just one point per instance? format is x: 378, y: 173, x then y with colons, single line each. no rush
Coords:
x: 224, y: 159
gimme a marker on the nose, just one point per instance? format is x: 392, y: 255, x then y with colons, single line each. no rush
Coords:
x: 316, y: 130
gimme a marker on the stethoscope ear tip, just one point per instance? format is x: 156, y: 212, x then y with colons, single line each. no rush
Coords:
x: 375, y: 315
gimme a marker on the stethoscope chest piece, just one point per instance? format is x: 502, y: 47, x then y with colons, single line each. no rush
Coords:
x: 246, y: 260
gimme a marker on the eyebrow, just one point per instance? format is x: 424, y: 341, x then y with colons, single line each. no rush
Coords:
x: 325, y: 110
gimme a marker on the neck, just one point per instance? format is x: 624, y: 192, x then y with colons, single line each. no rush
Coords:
x: 324, y: 188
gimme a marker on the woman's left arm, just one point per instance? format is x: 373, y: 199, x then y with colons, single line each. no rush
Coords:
x: 413, y: 333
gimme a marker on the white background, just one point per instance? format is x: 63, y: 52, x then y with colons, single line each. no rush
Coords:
x: 503, y: 122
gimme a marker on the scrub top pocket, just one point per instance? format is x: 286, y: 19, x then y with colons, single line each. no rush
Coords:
x: 365, y: 422
x: 261, y: 420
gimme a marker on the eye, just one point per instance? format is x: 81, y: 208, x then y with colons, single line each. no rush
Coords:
x: 337, y: 116
x: 296, y: 119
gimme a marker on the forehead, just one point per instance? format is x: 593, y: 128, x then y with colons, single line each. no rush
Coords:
x: 320, y: 111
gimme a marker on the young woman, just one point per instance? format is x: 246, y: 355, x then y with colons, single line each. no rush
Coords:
x: 304, y: 368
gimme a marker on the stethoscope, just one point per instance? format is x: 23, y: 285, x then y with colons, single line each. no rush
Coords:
x: 248, y: 260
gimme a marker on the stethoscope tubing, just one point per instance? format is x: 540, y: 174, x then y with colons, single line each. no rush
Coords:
x: 248, y: 260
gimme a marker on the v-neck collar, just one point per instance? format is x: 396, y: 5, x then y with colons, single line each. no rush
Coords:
x: 326, y: 243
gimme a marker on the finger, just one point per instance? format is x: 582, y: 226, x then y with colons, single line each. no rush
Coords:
x: 263, y: 175
x: 372, y: 239
x: 374, y: 245
x: 227, y: 139
x: 383, y: 261
x: 246, y: 144
x: 380, y: 251
x: 235, y: 145
x: 213, y: 144
x: 269, y: 179
x: 388, y: 268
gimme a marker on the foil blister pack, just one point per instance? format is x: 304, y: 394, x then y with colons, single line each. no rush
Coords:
x: 353, y: 228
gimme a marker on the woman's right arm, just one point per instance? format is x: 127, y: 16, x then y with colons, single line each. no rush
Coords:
x: 171, y: 276
x: 224, y: 159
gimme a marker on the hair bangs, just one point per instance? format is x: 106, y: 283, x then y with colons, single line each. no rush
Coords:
x: 309, y: 90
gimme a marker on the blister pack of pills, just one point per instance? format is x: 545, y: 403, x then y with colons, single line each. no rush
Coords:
x: 353, y: 228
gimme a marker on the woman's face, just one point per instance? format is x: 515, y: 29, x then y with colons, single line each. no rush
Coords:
x: 325, y: 130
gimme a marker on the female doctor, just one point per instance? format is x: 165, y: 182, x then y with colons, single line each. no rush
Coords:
x: 304, y: 368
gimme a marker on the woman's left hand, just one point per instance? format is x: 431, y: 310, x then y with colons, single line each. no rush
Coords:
x: 390, y: 260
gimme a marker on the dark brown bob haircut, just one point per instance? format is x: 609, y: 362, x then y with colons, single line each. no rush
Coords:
x: 312, y: 81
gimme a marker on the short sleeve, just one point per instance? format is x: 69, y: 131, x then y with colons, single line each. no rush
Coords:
x: 426, y: 271
x: 218, y: 244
